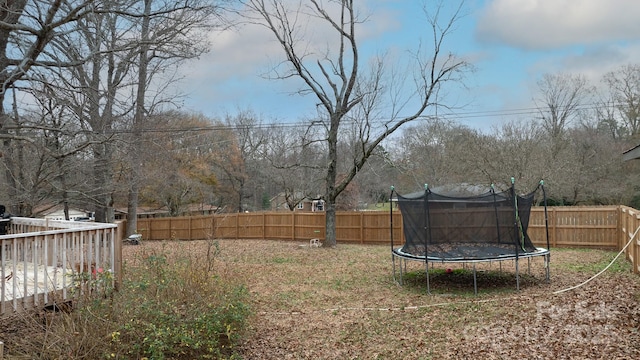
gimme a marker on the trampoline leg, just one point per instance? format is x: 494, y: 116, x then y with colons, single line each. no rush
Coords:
x: 427, y: 273
x: 393, y: 263
x: 529, y: 266
x: 517, y: 276
x: 401, y: 274
x: 475, y: 280
x: 547, y: 265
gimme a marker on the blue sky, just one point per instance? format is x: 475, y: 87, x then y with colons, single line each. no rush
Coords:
x: 510, y: 43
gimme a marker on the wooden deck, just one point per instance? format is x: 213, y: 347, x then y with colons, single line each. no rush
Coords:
x: 41, y: 260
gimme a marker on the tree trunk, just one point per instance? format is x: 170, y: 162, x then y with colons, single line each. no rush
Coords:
x: 330, y: 225
x: 138, y: 118
x: 332, y: 174
x: 103, y: 186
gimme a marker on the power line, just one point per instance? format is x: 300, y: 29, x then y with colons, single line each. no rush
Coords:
x: 528, y: 111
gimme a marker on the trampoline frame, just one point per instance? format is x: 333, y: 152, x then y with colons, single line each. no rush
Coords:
x: 403, y: 257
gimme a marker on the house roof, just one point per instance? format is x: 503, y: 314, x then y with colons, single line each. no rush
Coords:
x: 631, y: 154
x: 45, y: 210
x: 164, y: 210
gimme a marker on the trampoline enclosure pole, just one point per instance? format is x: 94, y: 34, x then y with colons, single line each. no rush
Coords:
x: 495, y: 208
x: 517, y: 228
x: 427, y: 229
x: 546, y: 216
x: 393, y: 258
x: 546, y: 225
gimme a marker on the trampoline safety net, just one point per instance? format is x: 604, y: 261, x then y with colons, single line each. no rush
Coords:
x: 486, y: 226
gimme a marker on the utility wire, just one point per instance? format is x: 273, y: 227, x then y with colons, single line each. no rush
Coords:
x: 304, y: 124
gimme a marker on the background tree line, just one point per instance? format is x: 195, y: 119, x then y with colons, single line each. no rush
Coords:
x: 88, y: 118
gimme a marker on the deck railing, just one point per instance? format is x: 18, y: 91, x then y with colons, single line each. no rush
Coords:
x: 42, y: 260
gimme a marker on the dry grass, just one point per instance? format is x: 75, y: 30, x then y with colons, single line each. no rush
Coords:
x: 343, y: 303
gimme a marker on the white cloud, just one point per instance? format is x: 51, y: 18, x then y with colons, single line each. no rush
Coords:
x: 548, y: 24
x: 592, y: 62
x: 232, y: 73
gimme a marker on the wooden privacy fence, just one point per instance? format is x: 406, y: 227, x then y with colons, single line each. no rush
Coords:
x: 351, y: 227
x: 604, y: 227
x: 597, y: 227
x: 629, y: 235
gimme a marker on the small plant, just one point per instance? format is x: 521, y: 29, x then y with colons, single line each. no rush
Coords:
x: 97, y: 283
x: 168, y: 307
x: 593, y: 266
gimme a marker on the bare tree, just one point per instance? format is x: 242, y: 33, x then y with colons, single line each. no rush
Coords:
x: 243, y: 171
x: 562, y: 97
x: 295, y: 158
x: 624, y: 88
x: 437, y: 151
x: 27, y: 28
x: 169, y: 33
x: 115, y: 57
x: 338, y: 79
x: 514, y: 149
x: 607, y: 118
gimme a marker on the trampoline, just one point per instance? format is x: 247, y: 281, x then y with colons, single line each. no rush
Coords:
x: 467, y: 224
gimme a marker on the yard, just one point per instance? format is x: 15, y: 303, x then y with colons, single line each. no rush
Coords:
x: 342, y: 303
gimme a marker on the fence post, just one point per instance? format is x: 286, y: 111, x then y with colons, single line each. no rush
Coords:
x: 117, y: 244
x: 634, y: 245
x: 622, y: 219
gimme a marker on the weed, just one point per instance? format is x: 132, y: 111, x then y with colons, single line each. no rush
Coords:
x: 167, y: 308
x: 282, y: 260
x: 581, y: 264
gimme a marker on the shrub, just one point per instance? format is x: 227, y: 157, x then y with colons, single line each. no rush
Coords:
x: 169, y: 307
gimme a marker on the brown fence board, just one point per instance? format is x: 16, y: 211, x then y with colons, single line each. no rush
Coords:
x: 309, y: 226
x: 226, y: 226
x: 279, y: 226
x: 251, y: 226
x: 349, y: 227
